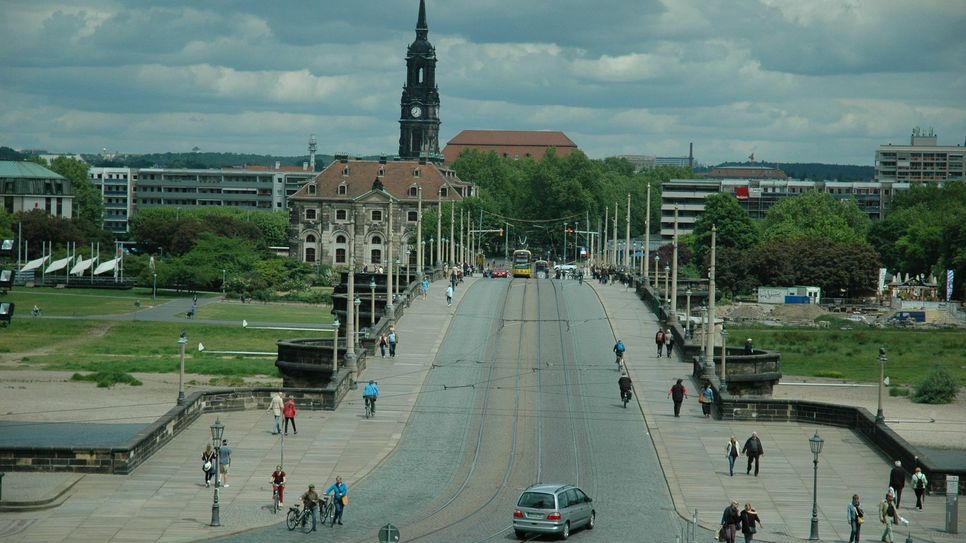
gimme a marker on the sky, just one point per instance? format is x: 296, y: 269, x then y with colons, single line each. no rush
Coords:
x: 788, y: 80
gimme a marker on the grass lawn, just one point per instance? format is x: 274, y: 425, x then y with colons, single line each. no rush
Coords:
x: 82, y: 302
x: 854, y: 353
x: 295, y: 313
x: 142, y: 346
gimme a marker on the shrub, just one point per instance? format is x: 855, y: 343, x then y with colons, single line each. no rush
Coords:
x: 898, y: 391
x: 828, y: 373
x: 939, y: 386
x: 106, y: 379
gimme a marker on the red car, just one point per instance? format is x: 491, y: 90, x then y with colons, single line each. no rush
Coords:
x: 500, y: 272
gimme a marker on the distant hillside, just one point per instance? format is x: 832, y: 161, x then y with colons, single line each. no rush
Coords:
x: 203, y: 160
x: 816, y: 171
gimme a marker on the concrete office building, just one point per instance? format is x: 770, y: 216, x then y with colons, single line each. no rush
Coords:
x: 923, y: 160
x: 117, y: 191
x: 757, y: 196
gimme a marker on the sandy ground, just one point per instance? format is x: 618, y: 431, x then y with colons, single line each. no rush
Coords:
x: 51, y: 396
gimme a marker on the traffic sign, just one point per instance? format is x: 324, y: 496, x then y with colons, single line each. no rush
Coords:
x: 388, y: 534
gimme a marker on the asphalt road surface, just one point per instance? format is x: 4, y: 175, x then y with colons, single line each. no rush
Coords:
x: 524, y: 390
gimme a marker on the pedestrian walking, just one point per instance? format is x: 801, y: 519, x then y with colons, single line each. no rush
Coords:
x: 856, y: 517
x: 383, y: 343
x: 340, y: 495
x: 449, y: 295
x: 668, y: 342
x: 730, y: 520
x: 289, y: 412
x: 677, y: 394
x: 706, y: 398
x: 224, y: 461
x: 919, y: 483
x: 897, y: 480
x: 749, y: 347
x: 888, y: 515
x: 208, y: 463
x: 731, y: 452
x: 659, y: 340
x: 393, y: 340
x: 425, y: 287
x: 749, y: 517
x: 275, y: 408
x: 753, y: 450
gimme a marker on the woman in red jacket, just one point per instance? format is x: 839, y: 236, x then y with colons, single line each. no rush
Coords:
x: 289, y: 412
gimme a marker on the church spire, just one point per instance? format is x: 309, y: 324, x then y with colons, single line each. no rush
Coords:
x: 422, y: 29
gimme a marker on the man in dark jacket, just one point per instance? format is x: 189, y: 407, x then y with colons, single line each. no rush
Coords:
x: 753, y: 450
x: 897, y: 480
x: 730, y: 521
x: 625, y: 385
x: 677, y: 394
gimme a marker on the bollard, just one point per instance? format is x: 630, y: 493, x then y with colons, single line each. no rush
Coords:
x: 952, y: 504
x: 1, y: 486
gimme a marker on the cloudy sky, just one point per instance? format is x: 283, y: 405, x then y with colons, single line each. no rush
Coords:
x: 790, y: 80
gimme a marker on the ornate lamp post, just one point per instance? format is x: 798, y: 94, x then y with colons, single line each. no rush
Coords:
x: 357, y: 303
x: 667, y: 279
x: 432, y: 256
x: 154, y: 291
x: 372, y: 298
x: 724, y: 359
x: 815, y: 443
x: 879, y: 417
x: 396, y: 286
x: 182, y: 341
x: 408, y: 265
x: 657, y: 266
x: 335, y: 347
x: 224, y: 276
x: 217, y: 433
x: 687, y: 326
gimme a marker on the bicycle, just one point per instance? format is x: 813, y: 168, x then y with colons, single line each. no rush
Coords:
x: 620, y: 359
x: 370, y: 407
x: 299, y: 516
x: 275, y: 498
x: 326, y: 510
x: 626, y: 397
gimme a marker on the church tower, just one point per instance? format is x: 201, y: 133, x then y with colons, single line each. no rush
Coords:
x: 419, y: 117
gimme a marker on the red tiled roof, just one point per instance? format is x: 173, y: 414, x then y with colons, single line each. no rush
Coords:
x: 529, y: 138
x: 397, y: 178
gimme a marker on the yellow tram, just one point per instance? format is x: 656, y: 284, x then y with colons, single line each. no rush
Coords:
x: 522, y: 263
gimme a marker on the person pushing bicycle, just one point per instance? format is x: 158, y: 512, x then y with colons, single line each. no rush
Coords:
x: 310, y: 500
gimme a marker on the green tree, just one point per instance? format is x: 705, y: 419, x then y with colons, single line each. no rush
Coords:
x: 816, y: 214
x: 735, y: 228
x: 88, y: 203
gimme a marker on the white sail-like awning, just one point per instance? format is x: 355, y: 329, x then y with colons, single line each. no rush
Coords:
x: 34, y: 264
x: 108, y: 266
x: 82, y: 265
x: 58, y: 265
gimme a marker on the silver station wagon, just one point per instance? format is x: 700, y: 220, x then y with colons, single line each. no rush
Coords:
x: 552, y: 509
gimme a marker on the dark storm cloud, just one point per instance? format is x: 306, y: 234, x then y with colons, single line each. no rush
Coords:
x: 824, y: 80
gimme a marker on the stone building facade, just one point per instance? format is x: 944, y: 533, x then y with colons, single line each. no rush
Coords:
x: 350, y: 201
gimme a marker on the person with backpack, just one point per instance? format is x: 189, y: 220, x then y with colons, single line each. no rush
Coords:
x: 383, y: 343
x: 677, y: 394
x: 659, y: 340
x: 668, y: 342
x: 619, y: 351
x: 919, y: 483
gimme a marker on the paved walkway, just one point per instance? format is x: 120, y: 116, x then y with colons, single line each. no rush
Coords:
x: 692, y: 453
x: 165, y: 498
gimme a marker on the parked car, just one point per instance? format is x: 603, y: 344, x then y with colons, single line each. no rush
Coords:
x: 908, y: 317
x: 552, y: 509
x: 500, y: 272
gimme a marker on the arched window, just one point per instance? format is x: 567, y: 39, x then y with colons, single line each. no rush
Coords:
x: 419, y: 76
x: 340, y: 239
x: 339, y: 255
x: 310, y: 239
x: 376, y: 240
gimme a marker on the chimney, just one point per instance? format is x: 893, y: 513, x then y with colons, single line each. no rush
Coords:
x: 691, y: 155
x: 342, y: 157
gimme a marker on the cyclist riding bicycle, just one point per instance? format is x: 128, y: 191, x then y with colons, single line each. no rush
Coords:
x: 625, y: 385
x: 369, y: 394
x: 278, y: 484
x: 619, y: 350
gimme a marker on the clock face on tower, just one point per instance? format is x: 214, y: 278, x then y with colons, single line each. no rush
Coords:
x: 416, y: 112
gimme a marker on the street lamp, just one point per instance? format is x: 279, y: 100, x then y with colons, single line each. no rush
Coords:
x: 724, y: 355
x: 217, y: 432
x: 182, y: 341
x: 432, y: 255
x: 408, y: 265
x: 357, y: 303
x: 815, y: 443
x: 667, y: 277
x: 687, y: 326
x: 224, y: 275
x: 396, y: 286
x: 423, y: 249
x: 372, y: 298
x: 335, y: 347
x: 657, y: 267
x: 879, y: 418
x: 154, y: 291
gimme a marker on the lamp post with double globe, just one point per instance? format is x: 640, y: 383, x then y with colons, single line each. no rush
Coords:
x: 372, y: 299
x: 217, y: 434
x: 815, y: 444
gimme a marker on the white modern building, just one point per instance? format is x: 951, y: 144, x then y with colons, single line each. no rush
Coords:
x: 923, y: 160
x: 117, y: 191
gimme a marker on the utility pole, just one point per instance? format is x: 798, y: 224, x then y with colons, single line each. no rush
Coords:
x: 709, y: 349
x: 603, y: 248
x: 645, y: 265
x: 389, y: 299
x: 614, y: 252
x: 674, y: 269
x: 627, y: 234
x: 452, y: 230
x: 419, y: 233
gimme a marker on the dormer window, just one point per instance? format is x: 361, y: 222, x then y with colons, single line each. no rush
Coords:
x: 345, y: 171
x: 413, y: 191
x: 416, y: 172
x: 343, y: 189
x: 444, y: 192
x: 376, y: 215
x: 311, y: 188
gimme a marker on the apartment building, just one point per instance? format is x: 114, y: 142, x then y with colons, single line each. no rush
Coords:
x: 117, y: 191
x: 757, y: 196
x: 923, y: 160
